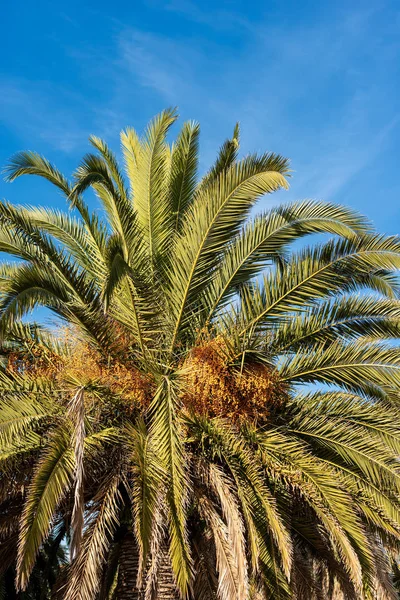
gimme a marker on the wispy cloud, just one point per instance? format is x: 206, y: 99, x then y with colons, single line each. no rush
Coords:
x: 316, y: 92
x: 39, y: 111
x: 157, y: 62
x: 295, y: 90
x: 213, y: 16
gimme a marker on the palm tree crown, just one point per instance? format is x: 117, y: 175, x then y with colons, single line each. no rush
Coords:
x: 166, y: 430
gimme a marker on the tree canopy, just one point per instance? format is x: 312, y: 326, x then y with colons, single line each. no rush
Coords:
x: 217, y: 399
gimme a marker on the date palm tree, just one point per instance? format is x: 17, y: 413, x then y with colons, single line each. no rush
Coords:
x: 218, y: 415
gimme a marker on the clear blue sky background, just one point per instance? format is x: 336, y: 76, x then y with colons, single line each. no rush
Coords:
x: 316, y: 81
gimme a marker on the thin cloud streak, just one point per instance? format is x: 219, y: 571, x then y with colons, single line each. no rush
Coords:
x: 293, y: 88
x: 34, y: 112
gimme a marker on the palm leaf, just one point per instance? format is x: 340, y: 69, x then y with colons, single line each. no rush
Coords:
x: 184, y: 163
x: 148, y: 485
x: 84, y: 581
x: 215, y: 215
x: 166, y: 438
x: 51, y: 480
x: 151, y: 184
x: 266, y: 238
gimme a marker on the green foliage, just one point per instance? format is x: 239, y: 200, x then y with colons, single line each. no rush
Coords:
x: 302, y: 499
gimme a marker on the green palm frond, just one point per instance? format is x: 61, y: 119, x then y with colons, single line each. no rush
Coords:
x: 52, y: 478
x: 227, y: 156
x: 166, y: 438
x: 354, y: 443
x: 76, y: 412
x: 147, y: 489
x: 112, y: 164
x: 94, y: 172
x: 151, y: 198
x: 183, y: 178
x: 267, y: 238
x: 130, y: 143
x: 349, y: 316
x: 216, y: 214
x: 31, y: 163
x: 86, y: 245
x: 66, y: 291
x: 343, y: 407
x: 317, y: 485
x: 120, y: 278
x: 229, y: 582
x: 350, y: 366
x: 29, y: 335
x: 14, y: 453
x: 215, y: 478
x: 338, y: 266
x: 250, y: 484
x: 25, y: 405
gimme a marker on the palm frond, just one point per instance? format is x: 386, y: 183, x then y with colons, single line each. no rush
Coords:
x: 26, y: 404
x: 86, y: 245
x: 112, y: 164
x: 342, y: 265
x: 216, y: 214
x: 76, y: 412
x: 251, y: 487
x: 228, y: 578
x: 226, y: 157
x: 147, y: 490
x: 349, y: 366
x: 348, y: 316
x: 166, y: 437
x: 183, y: 178
x: 31, y: 163
x: 317, y: 484
x: 151, y: 197
x: 130, y: 143
x: 222, y: 487
x: 84, y: 581
x: 266, y: 239
x: 51, y: 480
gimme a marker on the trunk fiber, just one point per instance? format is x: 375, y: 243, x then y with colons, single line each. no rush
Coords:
x: 127, y: 576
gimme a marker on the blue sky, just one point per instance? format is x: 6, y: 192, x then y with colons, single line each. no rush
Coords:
x: 316, y: 81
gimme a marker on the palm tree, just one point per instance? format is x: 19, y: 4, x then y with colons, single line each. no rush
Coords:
x: 218, y: 417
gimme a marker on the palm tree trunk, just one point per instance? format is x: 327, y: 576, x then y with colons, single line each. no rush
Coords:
x: 128, y: 569
x: 166, y: 588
